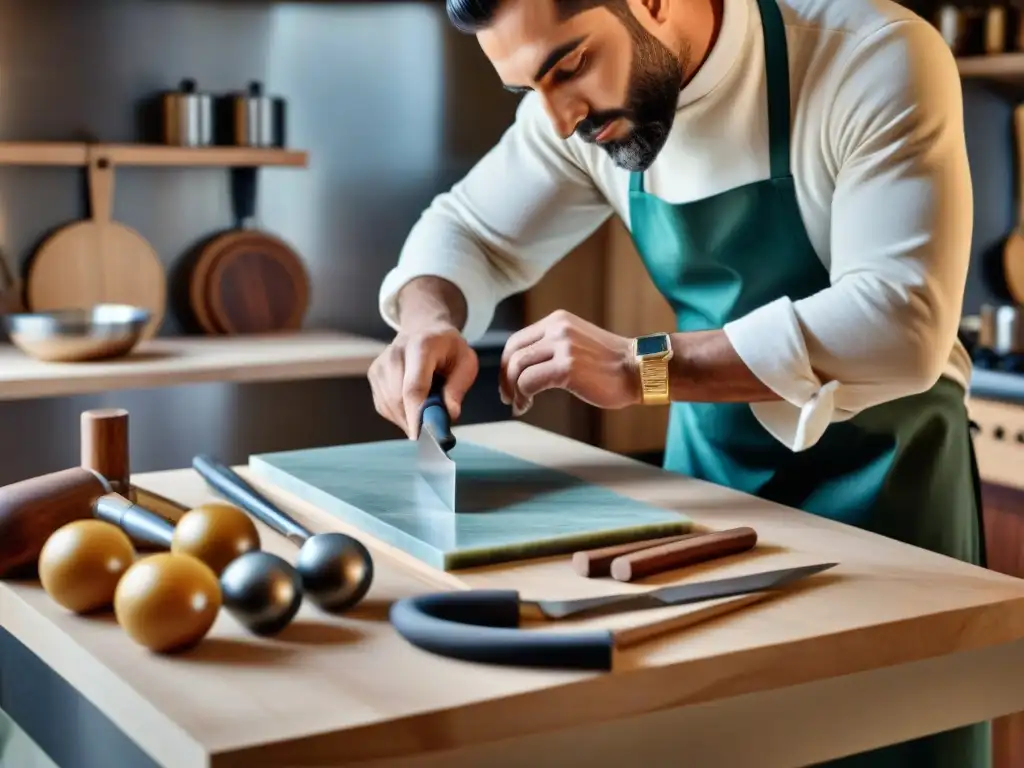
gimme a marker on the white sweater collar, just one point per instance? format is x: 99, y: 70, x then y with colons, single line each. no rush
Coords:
x: 724, y: 54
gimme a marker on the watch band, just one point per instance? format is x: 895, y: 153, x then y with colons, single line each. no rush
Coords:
x: 654, y: 389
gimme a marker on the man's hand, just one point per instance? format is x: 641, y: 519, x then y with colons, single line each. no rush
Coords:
x: 563, y: 351
x: 400, y: 377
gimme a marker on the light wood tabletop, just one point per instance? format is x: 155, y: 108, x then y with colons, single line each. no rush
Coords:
x: 903, y: 641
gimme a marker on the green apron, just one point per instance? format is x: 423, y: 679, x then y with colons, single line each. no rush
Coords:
x: 904, y: 469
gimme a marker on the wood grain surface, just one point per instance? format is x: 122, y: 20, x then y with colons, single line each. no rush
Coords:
x: 340, y: 690
x: 257, y: 284
x: 98, y: 261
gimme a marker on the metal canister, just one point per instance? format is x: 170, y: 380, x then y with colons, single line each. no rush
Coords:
x: 256, y: 119
x: 995, y: 29
x: 949, y: 19
x: 1009, y: 331
x: 187, y: 116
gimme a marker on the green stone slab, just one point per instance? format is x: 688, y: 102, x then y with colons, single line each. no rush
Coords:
x: 509, y: 509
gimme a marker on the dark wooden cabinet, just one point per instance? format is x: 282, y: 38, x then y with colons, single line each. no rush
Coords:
x: 999, y: 443
x: 1004, y: 539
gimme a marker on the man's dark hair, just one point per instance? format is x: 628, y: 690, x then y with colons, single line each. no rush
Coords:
x: 473, y: 15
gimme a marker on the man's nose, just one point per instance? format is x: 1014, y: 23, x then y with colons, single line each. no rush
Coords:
x: 565, y: 113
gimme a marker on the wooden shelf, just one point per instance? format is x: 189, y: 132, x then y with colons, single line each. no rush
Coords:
x: 77, y: 153
x: 999, y: 67
x: 168, y: 362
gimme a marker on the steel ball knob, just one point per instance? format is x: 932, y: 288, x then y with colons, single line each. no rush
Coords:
x: 336, y: 570
x: 262, y: 591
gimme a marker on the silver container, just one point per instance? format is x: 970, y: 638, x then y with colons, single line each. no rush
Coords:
x: 1009, y: 336
x: 75, y: 335
x: 187, y: 116
x: 254, y: 119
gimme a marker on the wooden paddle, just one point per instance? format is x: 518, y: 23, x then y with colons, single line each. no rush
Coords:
x: 98, y: 261
x: 1013, y: 250
x: 246, y: 280
x: 11, y: 290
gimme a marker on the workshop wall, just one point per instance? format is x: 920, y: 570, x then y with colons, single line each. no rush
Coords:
x: 375, y: 93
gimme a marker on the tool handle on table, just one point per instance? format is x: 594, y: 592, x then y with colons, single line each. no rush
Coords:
x: 104, y: 447
x: 687, y: 552
x: 32, y: 509
x: 231, y: 486
x: 138, y: 522
x: 435, y: 417
x: 597, y: 562
x: 482, y: 626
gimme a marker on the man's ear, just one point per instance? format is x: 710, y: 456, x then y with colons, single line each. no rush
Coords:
x: 655, y: 11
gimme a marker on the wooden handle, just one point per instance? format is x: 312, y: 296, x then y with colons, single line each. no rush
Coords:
x: 101, y: 185
x: 1018, y: 131
x: 597, y: 562
x: 31, y: 510
x: 633, y: 636
x: 693, y: 550
x: 104, y: 434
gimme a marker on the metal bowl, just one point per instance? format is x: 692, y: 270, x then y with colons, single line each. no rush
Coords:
x: 75, y: 335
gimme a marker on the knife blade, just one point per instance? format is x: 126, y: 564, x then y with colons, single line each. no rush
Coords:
x: 673, y: 595
x: 485, y: 625
x: 435, y: 440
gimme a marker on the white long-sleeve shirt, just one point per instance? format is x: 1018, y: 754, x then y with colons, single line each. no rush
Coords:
x: 882, y: 184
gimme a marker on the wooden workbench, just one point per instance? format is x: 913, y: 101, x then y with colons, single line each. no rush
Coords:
x: 894, y: 643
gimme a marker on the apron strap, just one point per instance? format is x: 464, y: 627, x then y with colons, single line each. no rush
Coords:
x: 776, y: 62
x: 636, y: 182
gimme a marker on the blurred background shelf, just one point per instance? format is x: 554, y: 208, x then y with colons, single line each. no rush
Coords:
x: 77, y: 153
x: 166, y: 362
x: 1003, y: 66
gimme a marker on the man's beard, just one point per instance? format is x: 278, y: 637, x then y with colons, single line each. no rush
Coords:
x: 656, y: 77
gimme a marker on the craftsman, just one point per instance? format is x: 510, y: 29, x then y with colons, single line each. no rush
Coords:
x: 794, y: 176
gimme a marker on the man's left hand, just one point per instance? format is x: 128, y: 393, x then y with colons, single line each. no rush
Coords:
x: 563, y: 351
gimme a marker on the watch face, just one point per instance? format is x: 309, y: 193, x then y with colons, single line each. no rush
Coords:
x: 651, y: 345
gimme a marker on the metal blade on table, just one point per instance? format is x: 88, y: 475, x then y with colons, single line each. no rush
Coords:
x: 434, y: 442
x: 675, y: 595
x: 435, y: 468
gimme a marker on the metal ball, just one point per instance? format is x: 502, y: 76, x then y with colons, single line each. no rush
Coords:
x: 336, y: 570
x: 262, y: 591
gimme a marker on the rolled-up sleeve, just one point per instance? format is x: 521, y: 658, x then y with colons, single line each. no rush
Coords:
x: 901, y: 224
x: 525, y: 205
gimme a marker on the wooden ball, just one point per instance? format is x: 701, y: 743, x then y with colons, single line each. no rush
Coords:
x: 81, y: 563
x: 167, y: 602
x: 215, y: 533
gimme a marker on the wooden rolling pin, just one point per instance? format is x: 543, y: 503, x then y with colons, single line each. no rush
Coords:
x: 695, y: 549
x: 594, y: 563
x: 31, y: 510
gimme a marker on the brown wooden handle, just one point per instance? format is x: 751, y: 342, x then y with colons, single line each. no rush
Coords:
x: 598, y: 562
x: 31, y: 510
x: 1018, y: 129
x: 104, y: 436
x: 692, y: 550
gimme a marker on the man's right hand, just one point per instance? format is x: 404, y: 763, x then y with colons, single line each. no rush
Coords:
x: 400, y: 377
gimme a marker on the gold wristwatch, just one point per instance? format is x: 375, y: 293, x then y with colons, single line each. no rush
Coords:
x: 652, y: 355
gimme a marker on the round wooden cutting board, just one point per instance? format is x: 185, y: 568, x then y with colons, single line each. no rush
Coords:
x: 258, y: 284
x: 244, y: 280
x: 98, y: 261
x: 1013, y: 250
